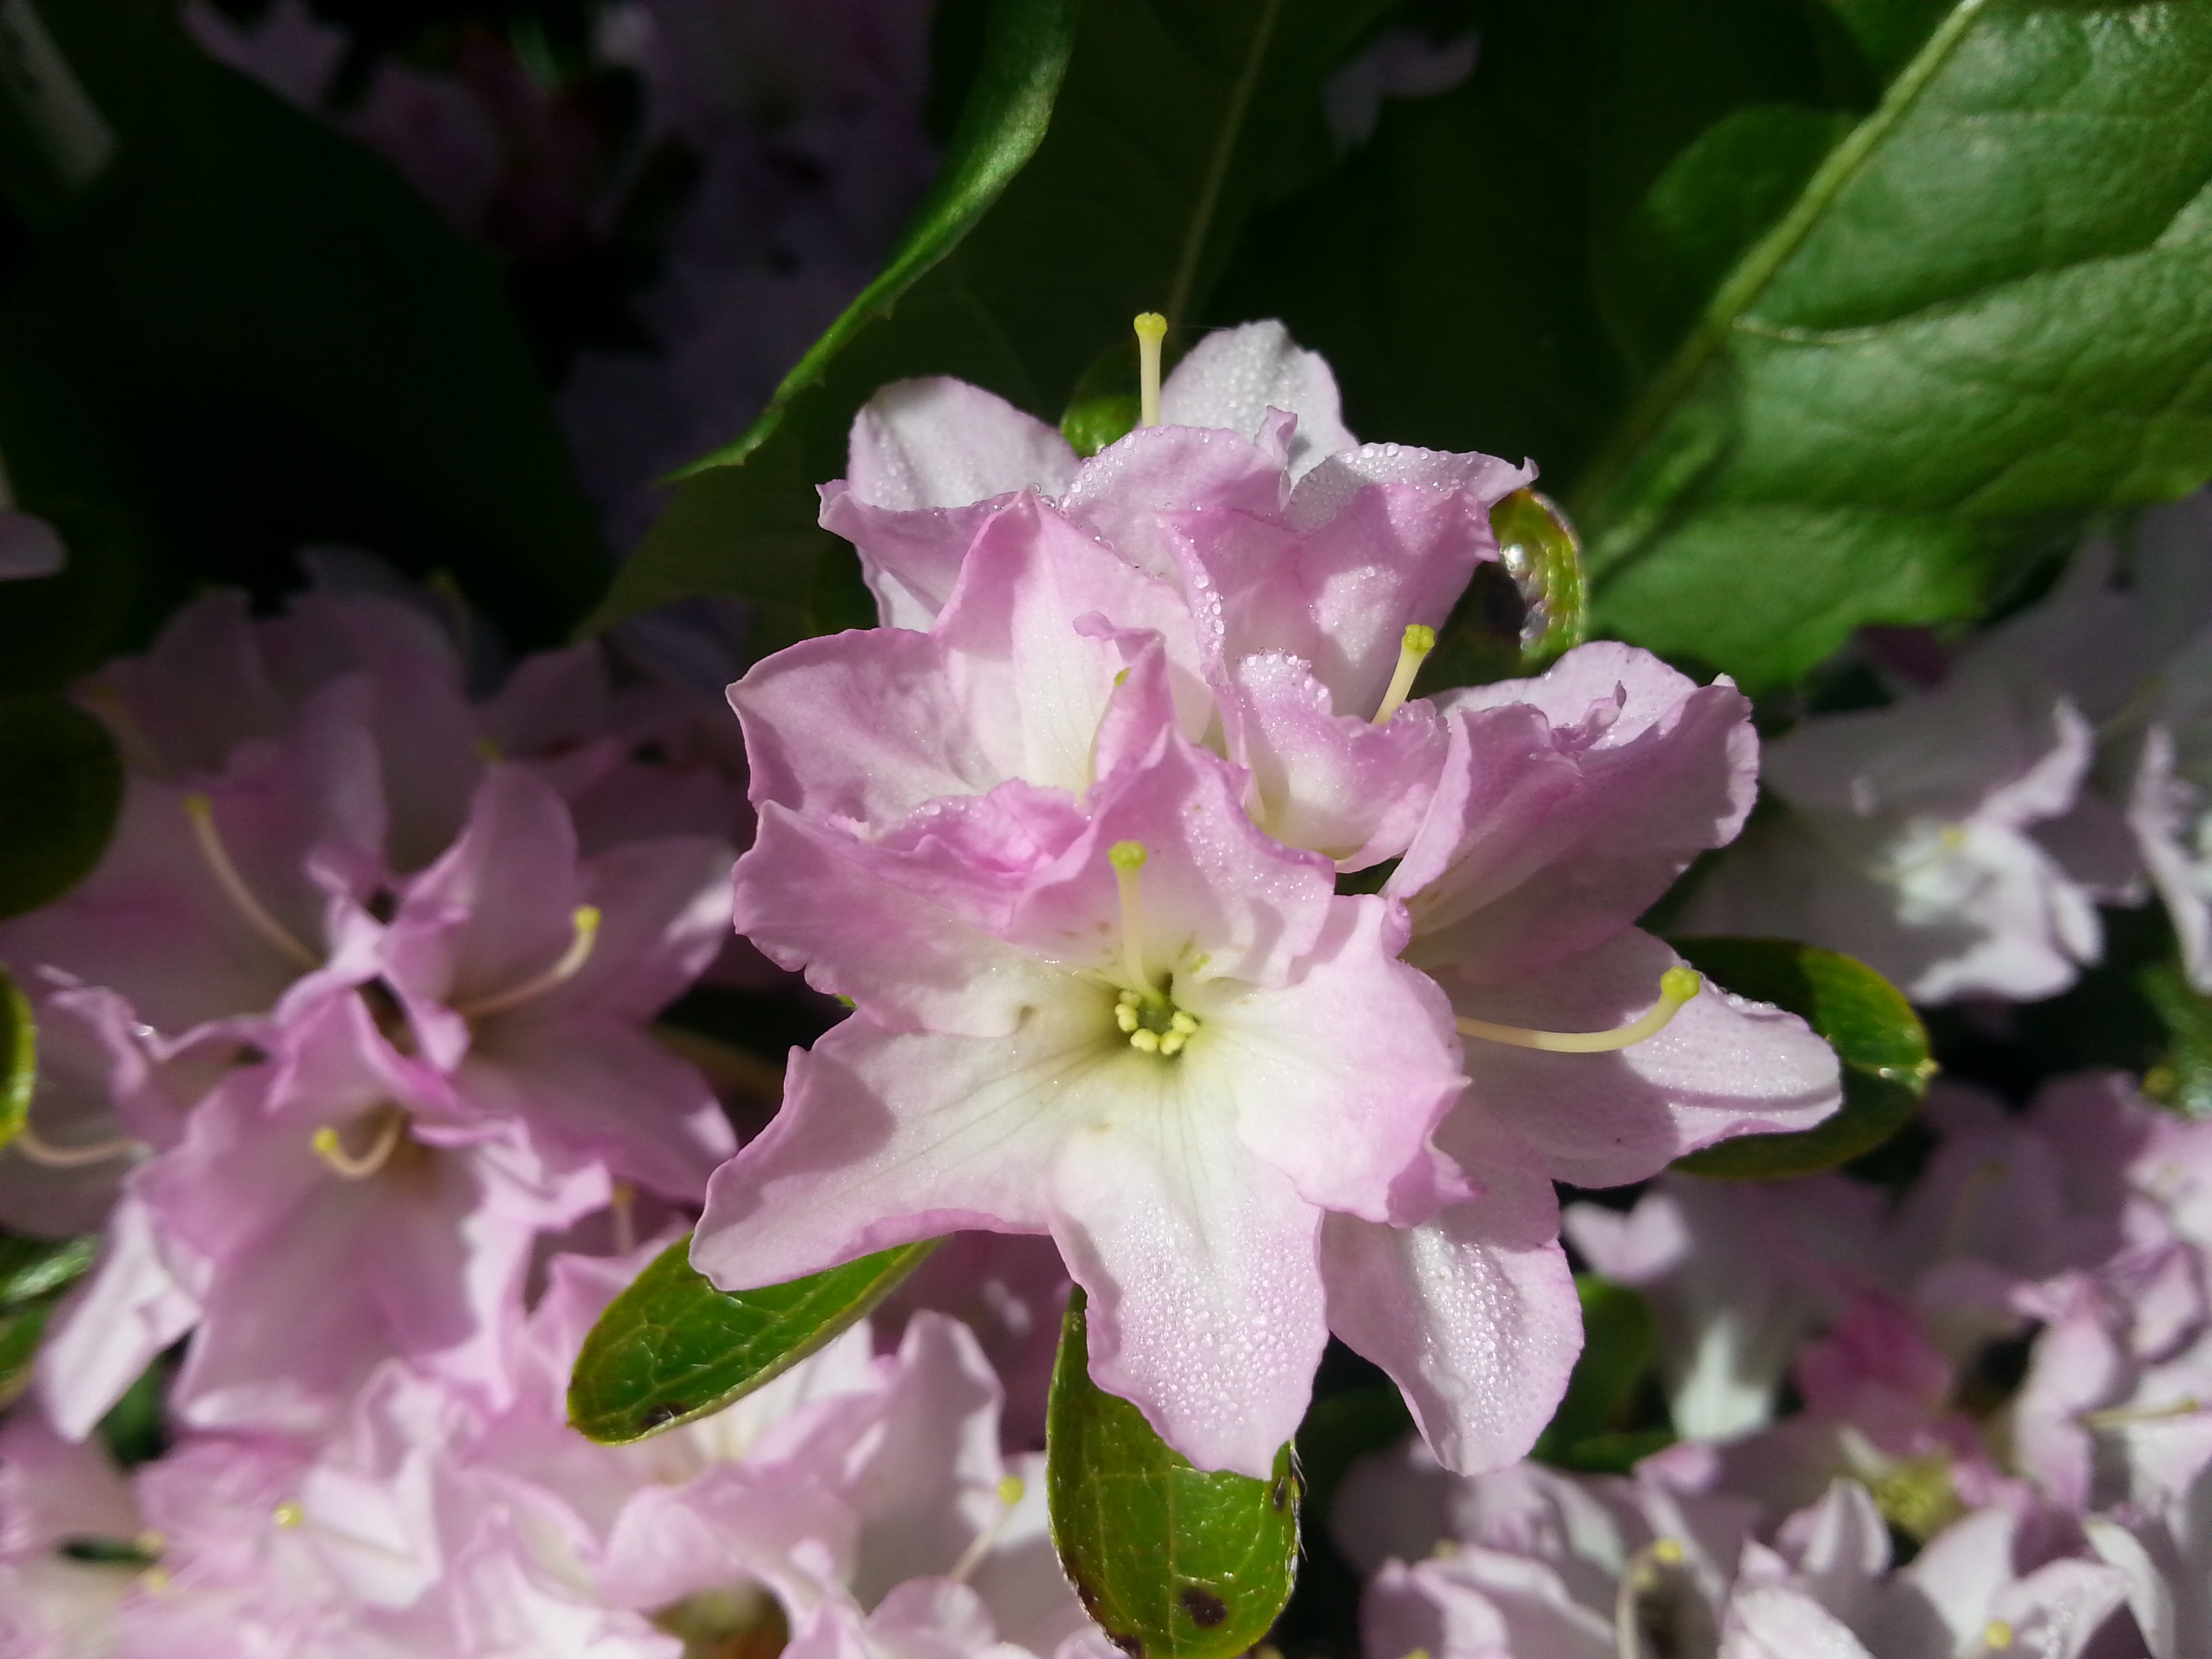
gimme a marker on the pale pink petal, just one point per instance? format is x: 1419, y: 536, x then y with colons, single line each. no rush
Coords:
x: 1233, y: 376
x: 1775, y: 1622
x: 1723, y: 1066
x: 111, y: 1328
x: 198, y: 692
x: 1338, y: 1079
x: 1032, y: 682
x: 887, y: 1137
x: 858, y: 725
x: 940, y: 442
x: 1199, y: 1261
x: 1473, y: 1314
x: 1327, y: 780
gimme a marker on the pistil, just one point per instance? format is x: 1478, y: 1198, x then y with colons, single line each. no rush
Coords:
x: 1676, y: 986
x: 1420, y: 641
x: 1010, y: 1488
x: 586, y: 925
x: 1152, y: 329
x: 201, y: 811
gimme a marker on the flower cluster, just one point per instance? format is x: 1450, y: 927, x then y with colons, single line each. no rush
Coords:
x: 859, y: 1504
x: 1070, y: 831
x: 2005, y: 1371
x: 1962, y: 838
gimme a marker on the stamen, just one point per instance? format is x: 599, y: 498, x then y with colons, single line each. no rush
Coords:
x: 1128, y: 858
x: 1676, y: 986
x: 623, y: 1201
x: 1152, y: 328
x: 331, y: 1150
x: 2124, y: 1417
x: 201, y: 811
x: 1997, y: 1636
x: 49, y: 1156
x: 1420, y: 641
x: 571, y: 960
x: 1638, y: 1579
x: 290, y: 1517
x: 1010, y: 1489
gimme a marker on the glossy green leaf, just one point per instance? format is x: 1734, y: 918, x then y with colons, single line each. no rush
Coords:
x: 1866, y: 1019
x: 1815, y: 315
x: 247, y: 333
x: 1620, y: 1345
x: 1171, y: 121
x: 672, y: 1348
x: 1172, y: 1563
x: 61, y: 787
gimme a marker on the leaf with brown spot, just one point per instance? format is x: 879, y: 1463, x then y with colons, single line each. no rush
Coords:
x: 1172, y: 1563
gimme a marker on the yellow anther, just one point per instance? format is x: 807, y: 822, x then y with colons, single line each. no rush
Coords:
x: 1668, y: 1551
x: 584, y: 923
x: 155, y: 1579
x: 1010, y: 1489
x: 200, y: 810
x: 488, y: 750
x: 1171, y: 1042
x: 1997, y: 1636
x: 289, y: 1514
x: 1182, y: 1024
x: 1152, y: 329
x: 1146, y: 1042
x: 1128, y: 858
x: 1676, y: 986
x: 1420, y: 641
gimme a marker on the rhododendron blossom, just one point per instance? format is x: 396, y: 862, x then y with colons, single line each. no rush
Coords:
x: 1069, y: 854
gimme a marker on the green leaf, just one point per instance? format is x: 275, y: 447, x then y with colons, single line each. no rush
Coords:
x: 20, y: 1329
x: 61, y: 787
x: 247, y: 333
x: 34, y: 1267
x: 1170, y: 122
x: 671, y: 1348
x: 2183, y: 1079
x: 1620, y: 1343
x: 1866, y: 1020
x: 1816, y: 315
x: 19, y: 1079
x: 1173, y: 1563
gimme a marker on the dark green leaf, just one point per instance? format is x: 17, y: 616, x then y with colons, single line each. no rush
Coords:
x: 671, y: 1347
x: 1620, y: 1344
x: 244, y: 334
x: 1173, y: 1563
x: 1175, y: 121
x: 135, y: 1429
x: 1815, y: 315
x: 61, y: 787
x: 1866, y: 1020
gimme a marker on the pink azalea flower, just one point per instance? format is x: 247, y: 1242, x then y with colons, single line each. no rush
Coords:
x: 1567, y: 805
x: 474, y: 1076
x: 1137, y: 1024
x: 1913, y: 839
x: 52, y: 1606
